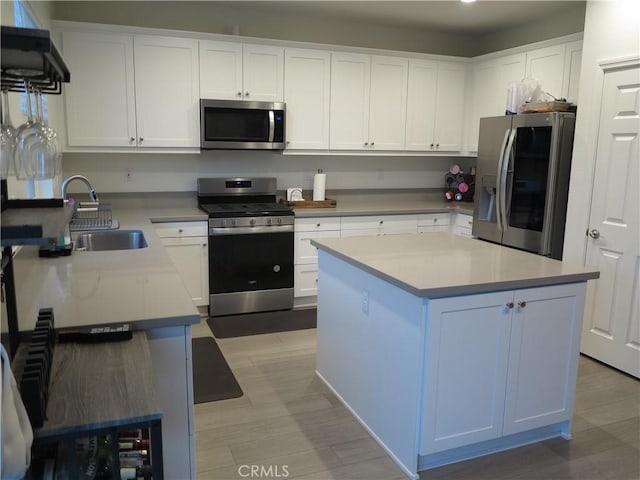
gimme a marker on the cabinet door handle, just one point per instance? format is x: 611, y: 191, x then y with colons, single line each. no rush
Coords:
x: 180, y: 230
x: 431, y: 146
x: 522, y: 304
x: 246, y: 94
x: 204, y: 244
x: 437, y: 146
x: 381, y: 222
x: 141, y: 139
x: 317, y: 225
x: 435, y: 220
x: 373, y: 143
x: 132, y: 139
x: 366, y: 144
x: 239, y: 94
x: 510, y: 305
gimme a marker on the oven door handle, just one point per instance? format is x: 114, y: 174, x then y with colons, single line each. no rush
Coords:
x: 216, y: 231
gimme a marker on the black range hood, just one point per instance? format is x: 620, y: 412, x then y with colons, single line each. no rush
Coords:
x: 29, y: 54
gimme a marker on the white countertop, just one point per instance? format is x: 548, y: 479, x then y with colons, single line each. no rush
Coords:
x: 437, y: 265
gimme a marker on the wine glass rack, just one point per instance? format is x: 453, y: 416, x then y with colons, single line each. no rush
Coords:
x: 29, y: 53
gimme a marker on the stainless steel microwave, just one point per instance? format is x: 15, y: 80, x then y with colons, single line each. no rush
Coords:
x: 241, y: 125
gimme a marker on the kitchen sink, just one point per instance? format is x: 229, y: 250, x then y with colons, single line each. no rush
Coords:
x: 109, y: 240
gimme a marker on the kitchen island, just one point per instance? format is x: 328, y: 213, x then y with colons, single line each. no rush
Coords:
x: 447, y: 348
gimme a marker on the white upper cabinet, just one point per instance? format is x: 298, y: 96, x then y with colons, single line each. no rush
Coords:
x: 167, y: 98
x: 572, y: 65
x: 350, y: 85
x: 547, y: 66
x: 388, y: 103
x: 435, y: 106
x: 124, y: 95
x: 306, y: 93
x: 100, y: 101
x: 236, y: 71
x: 368, y: 102
x: 489, y: 90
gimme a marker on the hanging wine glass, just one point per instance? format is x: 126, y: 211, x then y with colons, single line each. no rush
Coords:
x: 25, y: 169
x: 7, y: 138
x: 54, y: 152
x: 39, y: 148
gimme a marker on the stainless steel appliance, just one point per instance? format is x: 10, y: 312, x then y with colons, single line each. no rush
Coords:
x: 250, y: 245
x: 239, y: 124
x: 522, y: 181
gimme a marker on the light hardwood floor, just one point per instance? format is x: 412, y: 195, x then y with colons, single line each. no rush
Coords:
x: 288, y: 425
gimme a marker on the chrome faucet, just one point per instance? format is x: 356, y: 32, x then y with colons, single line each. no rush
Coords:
x: 66, y: 181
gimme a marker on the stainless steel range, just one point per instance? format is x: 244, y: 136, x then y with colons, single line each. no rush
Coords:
x: 250, y: 245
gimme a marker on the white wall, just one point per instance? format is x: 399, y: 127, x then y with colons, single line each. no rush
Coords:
x: 612, y: 30
x: 178, y: 172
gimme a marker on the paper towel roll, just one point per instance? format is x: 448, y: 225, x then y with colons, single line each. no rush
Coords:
x: 319, y: 184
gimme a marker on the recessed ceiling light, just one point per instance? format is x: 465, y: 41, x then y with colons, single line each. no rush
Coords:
x: 467, y: 1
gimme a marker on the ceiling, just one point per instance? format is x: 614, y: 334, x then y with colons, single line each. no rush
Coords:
x: 479, y: 18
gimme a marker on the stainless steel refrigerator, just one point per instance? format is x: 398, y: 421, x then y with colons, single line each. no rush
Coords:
x: 522, y: 181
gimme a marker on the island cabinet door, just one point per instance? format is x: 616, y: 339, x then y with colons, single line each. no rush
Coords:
x: 465, y: 373
x: 543, y: 359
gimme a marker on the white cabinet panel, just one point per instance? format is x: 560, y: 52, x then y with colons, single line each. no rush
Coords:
x: 304, y: 251
x: 388, y: 103
x: 547, y: 66
x: 317, y: 224
x: 167, y: 92
x: 434, y: 222
x: 187, y: 244
x: 378, y: 225
x: 263, y: 72
x: 572, y: 66
x: 489, y: 90
x: 100, y: 102
x: 305, y: 280
x: 435, y: 106
x: 221, y: 70
x: 125, y: 95
x: 350, y: 85
x: 542, y: 366
x: 520, y: 351
x: 236, y: 71
x: 306, y: 93
x: 466, y: 370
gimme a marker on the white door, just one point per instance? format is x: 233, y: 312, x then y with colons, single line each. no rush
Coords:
x: 190, y: 255
x: 167, y: 91
x: 263, y: 73
x: 612, y: 324
x: 388, y: 103
x: 543, y: 357
x: 306, y: 93
x: 449, y: 107
x: 421, y: 105
x: 221, y: 70
x: 466, y: 357
x: 350, y: 85
x: 100, y: 101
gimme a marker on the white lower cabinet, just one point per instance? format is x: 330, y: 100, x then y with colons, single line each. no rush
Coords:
x: 306, y: 256
x: 434, y: 222
x: 462, y: 224
x: 187, y: 244
x: 497, y: 364
x: 378, y: 225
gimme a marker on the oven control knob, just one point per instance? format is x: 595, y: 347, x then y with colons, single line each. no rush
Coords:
x: 233, y: 222
x: 268, y: 221
x: 223, y: 223
x: 252, y: 222
x: 276, y: 268
x: 279, y: 221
